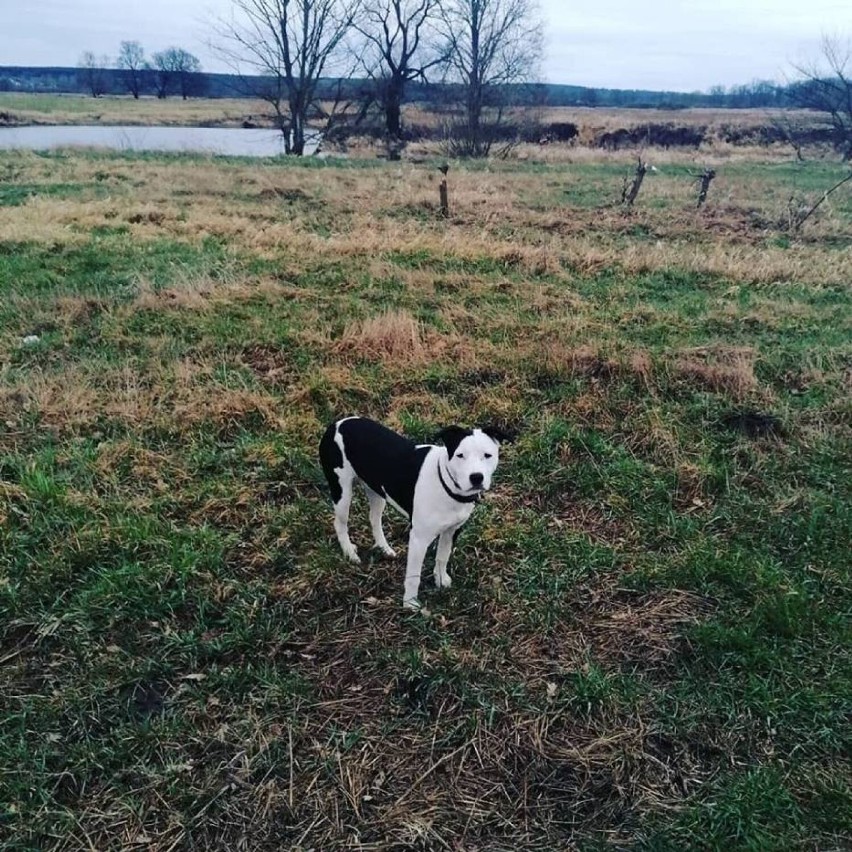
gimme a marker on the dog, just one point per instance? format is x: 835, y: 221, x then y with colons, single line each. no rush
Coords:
x: 435, y: 487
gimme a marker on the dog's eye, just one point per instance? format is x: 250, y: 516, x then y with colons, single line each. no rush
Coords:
x: 488, y: 455
x: 459, y: 455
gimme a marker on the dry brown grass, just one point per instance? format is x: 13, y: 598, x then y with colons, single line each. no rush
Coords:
x: 179, y: 395
x: 396, y: 339
x: 503, y: 773
x: 557, y: 356
x: 619, y: 627
x: 719, y: 368
x: 393, y: 335
x: 512, y: 217
x: 580, y: 361
x: 651, y: 437
x: 115, y: 109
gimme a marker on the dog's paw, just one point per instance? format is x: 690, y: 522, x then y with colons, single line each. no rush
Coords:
x: 413, y: 604
x: 352, y: 555
x: 443, y: 581
x: 388, y: 551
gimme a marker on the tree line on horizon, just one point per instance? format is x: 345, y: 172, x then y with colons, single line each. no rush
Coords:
x: 112, y: 81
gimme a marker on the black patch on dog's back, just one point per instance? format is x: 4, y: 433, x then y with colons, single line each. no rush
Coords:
x: 387, y: 462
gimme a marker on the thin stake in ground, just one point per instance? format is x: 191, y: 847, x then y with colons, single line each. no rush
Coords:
x: 442, y: 192
x: 704, y: 180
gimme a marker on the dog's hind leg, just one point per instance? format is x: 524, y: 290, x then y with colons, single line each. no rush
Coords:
x: 377, y: 507
x: 341, y: 516
x: 341, y: 477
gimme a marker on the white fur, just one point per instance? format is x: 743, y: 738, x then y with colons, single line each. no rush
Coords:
x: 435, y: 515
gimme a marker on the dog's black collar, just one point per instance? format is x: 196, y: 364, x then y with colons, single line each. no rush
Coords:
x: 459, y: 498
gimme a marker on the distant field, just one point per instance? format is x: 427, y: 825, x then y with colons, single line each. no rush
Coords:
x: 76, y: 109
x: 647, y: 642
x: 717, y: 124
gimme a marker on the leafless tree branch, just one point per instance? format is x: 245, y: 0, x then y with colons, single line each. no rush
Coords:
x: 488, y: 45
x: 288, y: 45
x: 826, y: 86
x: 396, y: 46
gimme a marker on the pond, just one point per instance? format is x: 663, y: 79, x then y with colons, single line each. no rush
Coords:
x: 240, y: 142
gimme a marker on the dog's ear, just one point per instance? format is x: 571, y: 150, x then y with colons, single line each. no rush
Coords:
x: 501, y: 436
x: 452, y: 436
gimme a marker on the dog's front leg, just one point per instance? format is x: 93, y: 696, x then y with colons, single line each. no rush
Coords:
x: 417, y: 546
x: 442, y: 557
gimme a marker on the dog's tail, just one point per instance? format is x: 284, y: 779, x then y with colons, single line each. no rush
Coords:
x: 331, y: 458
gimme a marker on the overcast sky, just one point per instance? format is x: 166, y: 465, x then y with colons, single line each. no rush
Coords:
x: 659, y: 44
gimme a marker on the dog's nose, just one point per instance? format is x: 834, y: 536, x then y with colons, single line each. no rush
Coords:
x: 476, y: 479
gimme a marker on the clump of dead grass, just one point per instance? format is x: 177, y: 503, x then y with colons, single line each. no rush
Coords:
x: 691, y: 487
x: 194, y: 298
x: 559, y: 357
x: 393, y: 335
x: 227, y: 409
x: 397, y: 338
x: 147, y: 469
x: 421, y: 405
x: 652, y: 435
x: 723, y: 369
x: 584, y: 360
x: 646, y: 628
x: 271, y: 363
x: 66, y: 399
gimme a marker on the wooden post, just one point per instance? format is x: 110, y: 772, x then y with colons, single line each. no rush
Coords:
x: 442, y: 191
x: 628, y: 195
x: 394, y: 147
x: 704, y: 184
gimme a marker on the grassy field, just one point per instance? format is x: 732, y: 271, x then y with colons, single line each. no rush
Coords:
x: 21, y: 108
x: 647, y: 643
x: 28, y: 109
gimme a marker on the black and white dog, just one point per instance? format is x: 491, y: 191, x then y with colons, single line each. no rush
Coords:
x: 436, y: 487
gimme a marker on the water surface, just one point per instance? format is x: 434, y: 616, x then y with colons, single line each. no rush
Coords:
x: 241, y: 142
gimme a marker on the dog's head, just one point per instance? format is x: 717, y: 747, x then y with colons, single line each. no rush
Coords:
x: 473, y: 455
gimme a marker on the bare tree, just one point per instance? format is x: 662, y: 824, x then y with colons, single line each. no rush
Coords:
x: 489, y: 45
x: 826, y: 86
x: 174, y: 65
x: 186, y: 68
x: 163, y: 74
x: 290, y: 44
x: 131, y: 61
x: 92, y: 72
x: 397, y: 49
